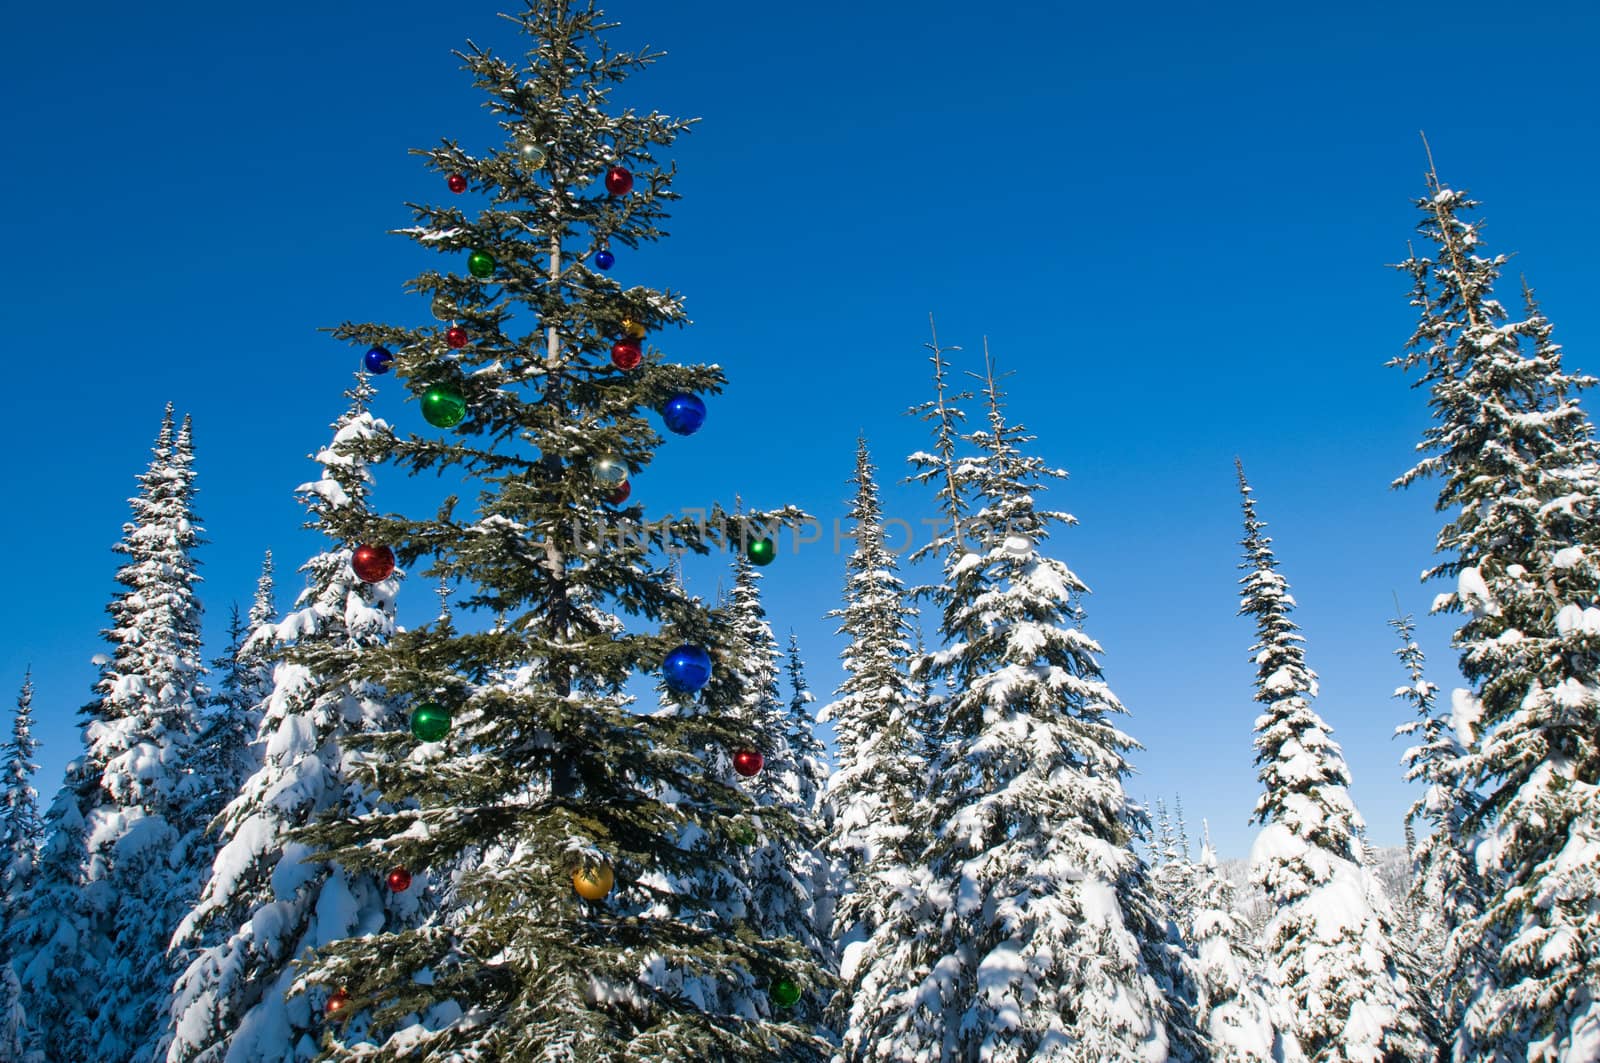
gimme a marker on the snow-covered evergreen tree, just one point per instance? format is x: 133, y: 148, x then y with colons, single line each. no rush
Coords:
x: 19, y: 851
x: 266, y: 901
x: 1329, y: 943
x: 1232, y: 1000
x: 879, y: 778
x: 1518, y: 463
x: 91, y: 949
x: 1036, y: 931
x: 809, y: 760
x: 1173, y: 874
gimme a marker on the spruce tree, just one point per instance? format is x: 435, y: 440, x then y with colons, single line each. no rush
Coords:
x: 91, y: 950
x: 808, y: 760
x: 1519, y: 466
x: 1037, y: 932
x: 1329, y: 942
x: 540, y: 392
x: 1232, y: 1003
x: 870, y: 834
x: 267, y: 901
x: 19, y: 851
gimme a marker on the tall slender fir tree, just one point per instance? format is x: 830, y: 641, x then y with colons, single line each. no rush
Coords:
x: 19, y: 852
x: 1232, y: 1004
x: 553, y: 772
x: 1520, y: 479
x: 1329, y: 942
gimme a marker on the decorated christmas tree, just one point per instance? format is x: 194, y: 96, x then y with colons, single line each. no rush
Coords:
x: 580, y: 841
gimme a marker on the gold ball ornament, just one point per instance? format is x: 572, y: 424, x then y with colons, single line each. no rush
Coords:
x: 531, y: 153
x: 593, y: 883
x: 632, y: 329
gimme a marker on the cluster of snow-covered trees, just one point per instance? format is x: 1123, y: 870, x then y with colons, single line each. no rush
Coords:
x: 967, y: 880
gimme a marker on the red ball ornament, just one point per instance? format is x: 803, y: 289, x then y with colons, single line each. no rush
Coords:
x: 398, y: 880
x: 372, y: 563
x: 455, y: 336
x: 338, y: 1002
x: 625, y: 354
x: 619, y: 182
x: 620, y: 495
x: 747, y: 762
x: 457, y: 183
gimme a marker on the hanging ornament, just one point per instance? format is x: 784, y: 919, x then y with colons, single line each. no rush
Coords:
x: 619, y: 182
x: 632, y: 329
x: 593, y: 883
x: 625, y: 354
x: 604, y: 259
x: 748, y: 762
x: 377, y: 360
x: 684, y: 414
x: 531, y: 153
x: 742, y: 833
x: 786, y: 992
x: 338, y: 1002
x: 398, y: 880
x: 443, y: 406
x: 457, y: 183
x: 620, y: 495
x: 372, y: 563
x: 609, y: 471
x: 480, y: 264
x: 761, y: 551
x: 686, y: 669
x: 455, y: 336
x: 430, y: 722
x: 443, y: 308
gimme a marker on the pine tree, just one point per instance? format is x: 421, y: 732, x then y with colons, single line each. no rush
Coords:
x: 809, y: 762
x: 1232, y: 1006
x: 1329, y: 941
x: 19, y: 851
x: 545, y: 764
x: 266, y: 901
x: 1519, y: 467
x: 91, y: 951
x: 1037, y: 932
x: 1174, y: 874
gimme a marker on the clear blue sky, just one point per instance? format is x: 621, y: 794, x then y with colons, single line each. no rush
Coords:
x: 1171, y: 221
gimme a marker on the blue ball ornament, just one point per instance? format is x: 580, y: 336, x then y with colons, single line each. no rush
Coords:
x: 684, y: 414
x: 604, y: 259
x: 686, y: 669
x: 378, y: 359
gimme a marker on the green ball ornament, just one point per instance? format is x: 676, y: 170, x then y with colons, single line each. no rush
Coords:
x: 430, y: 722
x: 741, y: 833
x: 443, y: 406
x: 761, y: 551
x: 480, y: 264
x: 786, y: 992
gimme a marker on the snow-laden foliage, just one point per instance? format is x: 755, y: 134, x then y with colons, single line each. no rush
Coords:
x: 1336, y: 980
x: 1031, y: 929
x: 1517, y: 461
x: 1232, y: 996
x: 267, y: 900
x: 19, y: 851
x: 115, y: 870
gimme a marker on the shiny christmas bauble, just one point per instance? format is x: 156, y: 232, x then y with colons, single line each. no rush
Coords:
x: 531, y: 153
x: 372, y: 564
x: 619, y: 182
x: 761, y: 551
x: 480, y: 264
x: 684, y: 414
x: 632, y: 329
x: 398, y: 879
x: 377, y: 360
x: 457, y: 183
x: 625, y: 354
x: 686, y: 669
x: 455, y: 336
x: 609, y: 471
x: 620, y: 495
x: 748, y: 762
x: 604, y: 259
x: 593, y: 883
x: 338, y: 1001
x: 786, y: 992
x: 430, y: 722
x: 443, y: 406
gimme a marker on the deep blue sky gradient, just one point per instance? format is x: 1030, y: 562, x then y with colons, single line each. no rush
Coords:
x: 1170, y: 221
